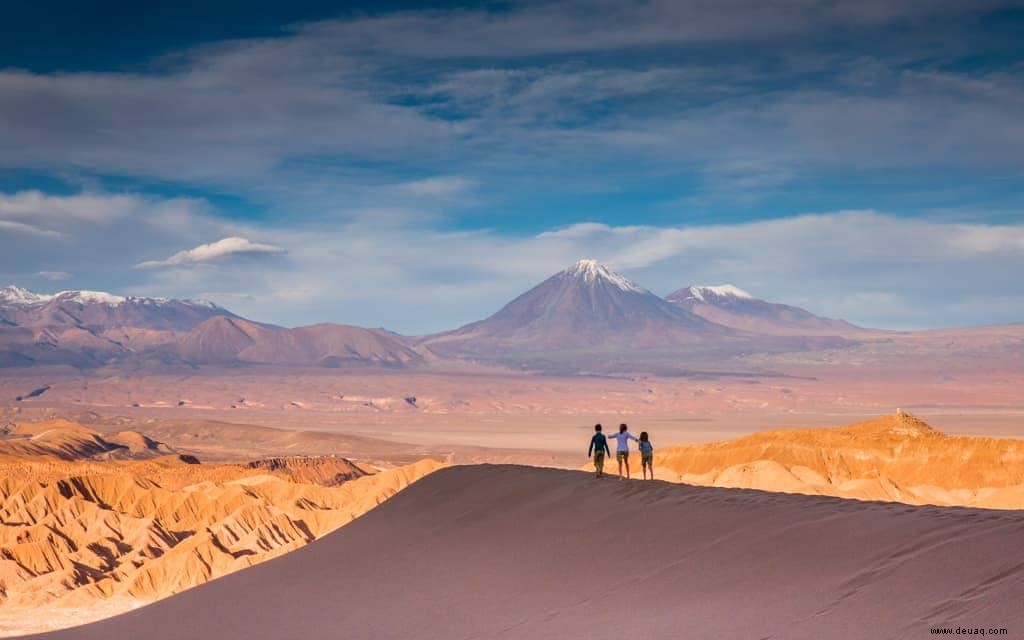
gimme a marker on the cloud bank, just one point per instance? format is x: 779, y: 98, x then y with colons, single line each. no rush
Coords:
x: 418, y: 168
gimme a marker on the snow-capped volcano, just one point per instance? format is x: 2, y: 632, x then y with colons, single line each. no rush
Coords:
x: 98, y: 309
x: 733, y: 307
x: 591, y: 271
x: 586, y: 306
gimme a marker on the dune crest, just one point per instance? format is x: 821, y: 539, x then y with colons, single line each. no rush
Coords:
x: 897, y: 458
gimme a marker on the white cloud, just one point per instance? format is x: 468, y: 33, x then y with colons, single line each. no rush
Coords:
x: 28, y: 229
x: 440, y: 187
x: 579, y: 26
x: 310, y: 118
x: 213, y: 252
x: 252, y: 113
x: 87, y: 207
x: 869, y: 267
x: 53, y: 275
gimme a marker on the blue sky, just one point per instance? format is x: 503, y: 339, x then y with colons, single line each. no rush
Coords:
x: 416, y: 166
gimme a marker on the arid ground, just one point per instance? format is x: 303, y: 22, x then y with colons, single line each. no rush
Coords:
x: 123, y: 489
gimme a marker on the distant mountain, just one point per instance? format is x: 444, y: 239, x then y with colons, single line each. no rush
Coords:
x: 584, y: 319
x: 733, y: 307
x: 98, y: 311
x: 586, y: 306
x: 225, y: 340
x: 219, y: 340
x: 69, y: 345
x: 90, y: 328
x: 331, y: 345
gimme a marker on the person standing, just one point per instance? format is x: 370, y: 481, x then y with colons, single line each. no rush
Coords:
x: 598, y: 447
x: 622, y: 439
x: 646, y: 454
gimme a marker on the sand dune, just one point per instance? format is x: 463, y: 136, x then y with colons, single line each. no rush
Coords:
x: 519, y: 552
x: 85, y: 540
x: 897, y: 457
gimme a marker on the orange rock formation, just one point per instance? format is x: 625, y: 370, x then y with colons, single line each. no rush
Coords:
x: 895, y: 458
x: 86, y: 539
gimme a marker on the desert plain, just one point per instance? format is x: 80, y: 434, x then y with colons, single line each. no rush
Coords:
x: 105, y: 509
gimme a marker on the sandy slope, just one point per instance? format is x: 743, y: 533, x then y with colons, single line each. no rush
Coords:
x: 519, y: 552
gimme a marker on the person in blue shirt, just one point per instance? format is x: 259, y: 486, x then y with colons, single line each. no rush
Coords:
x: 598, y: 447
x: 646, y: 454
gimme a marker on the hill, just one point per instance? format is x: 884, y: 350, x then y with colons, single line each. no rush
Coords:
x: 896, y: 457
x: 332, y: 345
x: 519, y: 552
x: 65, y: 440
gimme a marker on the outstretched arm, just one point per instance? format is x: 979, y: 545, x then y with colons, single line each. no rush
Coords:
x: 631, y: 437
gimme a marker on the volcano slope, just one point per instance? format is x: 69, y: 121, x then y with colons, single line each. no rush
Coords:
x: 520, y: 552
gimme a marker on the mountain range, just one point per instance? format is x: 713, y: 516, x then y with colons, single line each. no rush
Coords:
x: 586, y: 318
x: 102, y: 311
x: 584, y: 306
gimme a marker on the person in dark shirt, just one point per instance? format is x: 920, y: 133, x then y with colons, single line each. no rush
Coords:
x: 646, y: 454
x: 598, y: 448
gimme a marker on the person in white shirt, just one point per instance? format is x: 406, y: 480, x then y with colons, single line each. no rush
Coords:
x: 622, y: 439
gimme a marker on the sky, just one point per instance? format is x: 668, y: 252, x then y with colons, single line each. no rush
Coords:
x: 415, y: 166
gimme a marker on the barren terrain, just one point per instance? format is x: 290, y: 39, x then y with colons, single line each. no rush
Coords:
x: 85, y: 536
x: 518, y: 552
x: 105, y: 510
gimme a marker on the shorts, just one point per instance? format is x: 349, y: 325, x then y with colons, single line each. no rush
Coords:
x: 646, y: 459
x: 599, y: 460
x: 622, y: 456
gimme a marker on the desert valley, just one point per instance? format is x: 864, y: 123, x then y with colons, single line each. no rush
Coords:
x: 515, y: 320
x: 150, y: 446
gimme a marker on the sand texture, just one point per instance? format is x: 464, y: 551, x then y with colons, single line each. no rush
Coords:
x: 519, y: 552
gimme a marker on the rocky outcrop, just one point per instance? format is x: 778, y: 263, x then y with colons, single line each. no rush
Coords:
x: 895, y: 458
x: 327, y: 471
x: 85, y: 540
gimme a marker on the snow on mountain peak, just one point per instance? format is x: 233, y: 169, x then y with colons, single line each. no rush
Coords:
x: 13, y: 294
x: 593, y: 271
x: 85, y: 297
x: 203, y: 302
x: 719, y: 291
